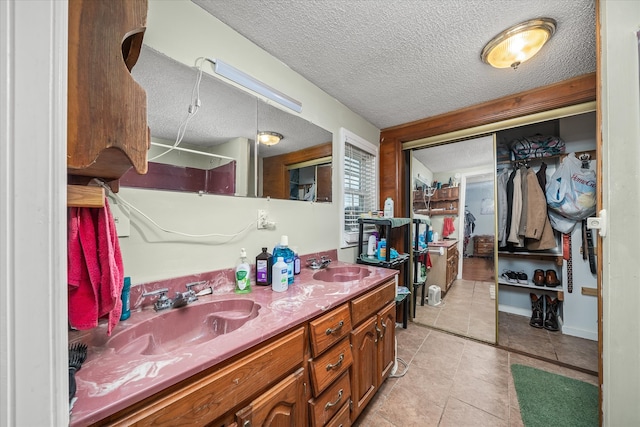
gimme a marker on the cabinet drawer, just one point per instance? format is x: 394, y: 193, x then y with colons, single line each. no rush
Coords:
x: 326, y: 368
x: 342, y: 418
x: 483, y: 248
x: 329, y: 329
x: 333, y: 400
x: 212, y: 396
x: 368, y: 304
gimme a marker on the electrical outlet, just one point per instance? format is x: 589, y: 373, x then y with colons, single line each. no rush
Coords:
x: 262, y: 219
x: 121, y: 218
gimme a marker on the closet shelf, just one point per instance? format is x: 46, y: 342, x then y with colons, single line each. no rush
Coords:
x: 591, y: 153
x: 533, y: 256
x: 529, y: 285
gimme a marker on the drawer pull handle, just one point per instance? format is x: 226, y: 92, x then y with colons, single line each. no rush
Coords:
x: 331, y: 404
x: 384, y: 329
x: 337, y: 364
x: 337, y: 328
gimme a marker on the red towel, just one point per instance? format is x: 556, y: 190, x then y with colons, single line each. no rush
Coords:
x: 95, y: 270
x: 447, y: 227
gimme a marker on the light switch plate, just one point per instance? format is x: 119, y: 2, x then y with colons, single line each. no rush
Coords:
x: 121, y: 218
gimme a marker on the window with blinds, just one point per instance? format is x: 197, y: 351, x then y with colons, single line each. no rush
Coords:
x: 359, y: 185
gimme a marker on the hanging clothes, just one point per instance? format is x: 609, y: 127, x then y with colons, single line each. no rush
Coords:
x: 469, y: 227
x: 447, y: 227
x: 523, y: 221
x: 503, y: 176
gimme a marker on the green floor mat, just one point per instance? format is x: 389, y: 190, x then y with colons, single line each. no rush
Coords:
x: 548, y: 399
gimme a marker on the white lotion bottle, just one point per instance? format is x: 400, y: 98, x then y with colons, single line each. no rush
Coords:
x: 388, y: 208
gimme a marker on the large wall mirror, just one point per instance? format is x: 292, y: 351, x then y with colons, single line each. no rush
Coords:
x: 453, y: 191
x: 218, y: 152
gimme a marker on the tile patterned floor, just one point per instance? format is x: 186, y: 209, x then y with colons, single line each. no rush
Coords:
x: 452, y: 381
x: 469, y: 311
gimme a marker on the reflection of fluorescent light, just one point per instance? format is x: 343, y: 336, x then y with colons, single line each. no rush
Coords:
x: 173, y: 147
x: 257, y: 86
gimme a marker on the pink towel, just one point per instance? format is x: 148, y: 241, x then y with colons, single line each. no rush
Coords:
x: 95, y: 270
x: 447, y: 227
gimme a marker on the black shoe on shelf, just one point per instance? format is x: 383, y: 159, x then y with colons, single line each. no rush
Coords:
x: 522, y: 278
x: 510, y: 276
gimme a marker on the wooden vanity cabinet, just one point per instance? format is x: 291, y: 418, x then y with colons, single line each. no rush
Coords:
x: 282, y: 405
x: 250, y: 387
x: 372, y: 344
x: 444, y: 269
x: 107, y: 130
x: 328, y: 369
x: 321, y: 373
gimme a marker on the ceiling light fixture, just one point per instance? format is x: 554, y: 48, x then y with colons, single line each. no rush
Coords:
x: 519, y: 43
x: 244, y: 79
x: 269, y: 138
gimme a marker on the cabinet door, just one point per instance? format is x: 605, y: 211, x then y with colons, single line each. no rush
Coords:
x: 386, y: 341
x: 364, y: 371
x: 282, y: 406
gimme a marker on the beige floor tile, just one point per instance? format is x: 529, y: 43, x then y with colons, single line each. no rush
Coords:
x: 488, y: 396
x: 406, y: 407
x: 453, y: 381
x: 461, y: 414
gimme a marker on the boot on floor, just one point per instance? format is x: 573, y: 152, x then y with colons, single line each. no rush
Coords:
x: 536, y: 309
x: 551, y: 314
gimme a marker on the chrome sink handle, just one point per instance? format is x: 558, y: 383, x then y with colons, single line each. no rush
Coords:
x: 191, y: 294
x: 316, y: 265
x: 163, y: 302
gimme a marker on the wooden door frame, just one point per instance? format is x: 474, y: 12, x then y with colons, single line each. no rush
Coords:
x: 394, y: 179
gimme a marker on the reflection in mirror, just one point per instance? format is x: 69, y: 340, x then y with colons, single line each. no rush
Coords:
x: 217, y: 151
x: 299, y: 166
x: 222, y: 128
x: 453, y: 190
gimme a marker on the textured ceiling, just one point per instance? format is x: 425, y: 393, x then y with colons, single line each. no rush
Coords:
x: 396, y: 61
x: 390, y: 61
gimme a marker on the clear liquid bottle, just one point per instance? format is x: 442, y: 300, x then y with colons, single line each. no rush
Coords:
x: 280, y: 276
x: 282, y: 250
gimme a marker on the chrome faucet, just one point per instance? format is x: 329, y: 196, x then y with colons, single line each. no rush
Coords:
x: 180, y: 299
x: 318, y: 264
x: 163, y: 302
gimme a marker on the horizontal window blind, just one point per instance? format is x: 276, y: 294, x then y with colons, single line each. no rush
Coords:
x: 359, y: 185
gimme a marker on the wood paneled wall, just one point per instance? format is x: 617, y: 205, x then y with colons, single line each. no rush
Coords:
x: 393, y: 167
x: 275, y: 174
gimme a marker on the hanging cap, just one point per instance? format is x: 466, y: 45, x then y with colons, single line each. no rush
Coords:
x: 284, y: 240
x: 243, y: 253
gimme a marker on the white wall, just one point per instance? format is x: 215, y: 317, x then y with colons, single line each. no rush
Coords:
x: 33, y: 290
x: 620, y: 108
x: 182, y: 30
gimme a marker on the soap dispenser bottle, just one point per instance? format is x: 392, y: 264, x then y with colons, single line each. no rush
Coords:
x: 243, y: 278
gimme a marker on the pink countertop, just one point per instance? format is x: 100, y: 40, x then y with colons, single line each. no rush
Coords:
x: 442, y: 243
x: 109, y: 382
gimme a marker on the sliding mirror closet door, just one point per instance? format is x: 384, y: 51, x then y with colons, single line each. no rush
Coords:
x: 453, y: 191
x: 547, y: 287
